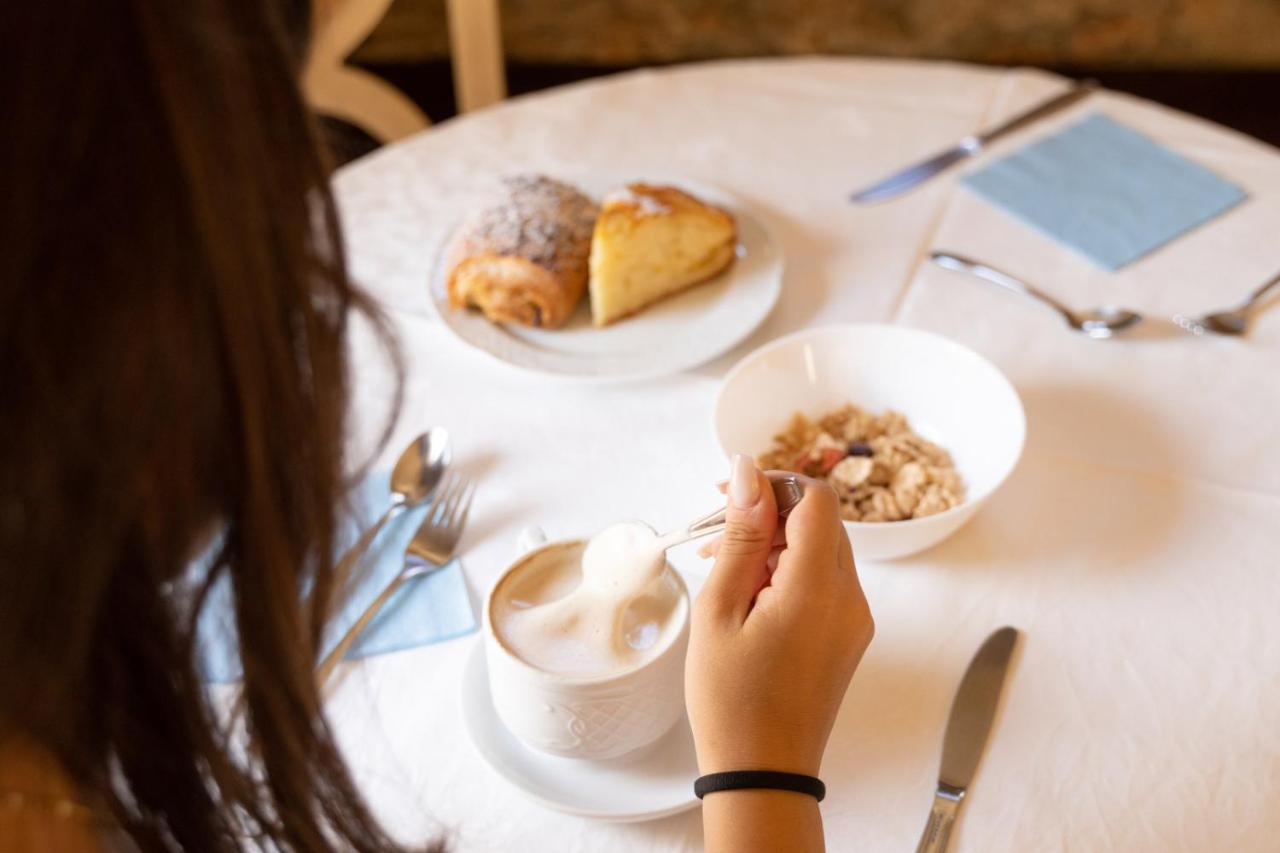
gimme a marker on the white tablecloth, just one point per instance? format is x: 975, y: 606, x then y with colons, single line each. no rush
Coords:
x: 1136, y: 543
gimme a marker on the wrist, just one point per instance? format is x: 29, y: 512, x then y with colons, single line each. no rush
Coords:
x: 780, y: 760
x: 761, y: 820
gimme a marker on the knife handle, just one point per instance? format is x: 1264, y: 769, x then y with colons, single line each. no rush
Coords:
x: 937, y: 832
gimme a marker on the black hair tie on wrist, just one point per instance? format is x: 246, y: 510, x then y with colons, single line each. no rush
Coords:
x: 769, y: 779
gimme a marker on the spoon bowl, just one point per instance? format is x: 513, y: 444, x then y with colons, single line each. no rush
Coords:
x: 1226, y: 322
x: 1230, y: 323
x: 420, y: 466
x: 626, y: 556
x: 1103, y: 322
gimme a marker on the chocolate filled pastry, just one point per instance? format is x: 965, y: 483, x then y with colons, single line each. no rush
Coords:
x: 523, y: 258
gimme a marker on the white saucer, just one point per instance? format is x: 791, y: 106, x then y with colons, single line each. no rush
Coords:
x: 676, y: 334
x: 653, y: 782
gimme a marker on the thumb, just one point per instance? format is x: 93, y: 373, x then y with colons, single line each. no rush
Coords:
x: 741, y: 568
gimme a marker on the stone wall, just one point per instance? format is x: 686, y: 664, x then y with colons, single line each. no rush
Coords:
x: 1095, y: 33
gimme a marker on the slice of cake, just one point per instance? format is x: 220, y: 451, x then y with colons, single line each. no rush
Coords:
x: 653, y: 241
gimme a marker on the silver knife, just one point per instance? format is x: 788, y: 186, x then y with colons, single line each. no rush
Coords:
x: 972, y: 712
x: 900, y: 182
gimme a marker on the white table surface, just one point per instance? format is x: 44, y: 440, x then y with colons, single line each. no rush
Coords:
x: 1136, y: 544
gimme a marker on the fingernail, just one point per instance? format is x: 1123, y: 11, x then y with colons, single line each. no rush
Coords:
x: 744, y: 485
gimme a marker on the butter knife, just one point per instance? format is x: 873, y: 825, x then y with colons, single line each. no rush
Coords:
x: 972, y: 712
x: 900, y: 182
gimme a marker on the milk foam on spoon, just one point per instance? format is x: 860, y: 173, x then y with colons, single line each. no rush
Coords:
x: 596, y: 609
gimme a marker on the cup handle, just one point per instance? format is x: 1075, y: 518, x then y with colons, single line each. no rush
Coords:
x: 530, y: 538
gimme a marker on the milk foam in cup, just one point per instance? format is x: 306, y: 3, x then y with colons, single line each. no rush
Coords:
x: 591, y: 610
x: 585, y: 644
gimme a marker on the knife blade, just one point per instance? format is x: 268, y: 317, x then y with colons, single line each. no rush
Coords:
x: 901, y: 181
x: 968, y: 727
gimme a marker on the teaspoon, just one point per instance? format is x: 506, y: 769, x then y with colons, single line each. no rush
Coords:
x: 1234, y: 321
x: 787, y: 493
x: 1098, y: 323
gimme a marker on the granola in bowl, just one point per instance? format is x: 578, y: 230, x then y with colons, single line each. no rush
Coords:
x: 880, y: 468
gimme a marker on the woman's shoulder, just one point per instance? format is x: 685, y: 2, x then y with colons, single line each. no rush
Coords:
x: 41, y: 807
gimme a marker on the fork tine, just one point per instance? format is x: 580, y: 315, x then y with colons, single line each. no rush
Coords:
x: 449, y: 511
x: 438, y: 500
x: 455, y: 501
x: 459, y: 520
x: 466, y: 508
x: 443, y: 492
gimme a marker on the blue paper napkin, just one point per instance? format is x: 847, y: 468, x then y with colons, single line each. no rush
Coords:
x: 1105, y: 190
x: 425, y: 610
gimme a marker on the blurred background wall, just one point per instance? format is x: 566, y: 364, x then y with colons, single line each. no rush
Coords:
x: 1216, y: 58
x: 1102, y: 33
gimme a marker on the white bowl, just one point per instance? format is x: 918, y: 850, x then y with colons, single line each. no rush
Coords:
x: 950, y: 394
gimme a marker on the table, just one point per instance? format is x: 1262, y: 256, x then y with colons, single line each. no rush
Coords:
x: 1136, y: 543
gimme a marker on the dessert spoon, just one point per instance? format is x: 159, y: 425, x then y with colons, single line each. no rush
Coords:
x: 1097, y: 323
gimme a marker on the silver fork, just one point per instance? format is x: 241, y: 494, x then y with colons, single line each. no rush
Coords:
x: 431, y: 547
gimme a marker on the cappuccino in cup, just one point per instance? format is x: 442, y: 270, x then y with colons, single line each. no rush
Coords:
x: 585, y: 644
x: 602, y: 607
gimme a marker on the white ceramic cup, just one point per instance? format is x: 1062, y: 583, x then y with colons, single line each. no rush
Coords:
x: 589, y: 717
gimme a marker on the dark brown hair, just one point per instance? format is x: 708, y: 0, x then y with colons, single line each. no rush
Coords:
x: 172, y: 333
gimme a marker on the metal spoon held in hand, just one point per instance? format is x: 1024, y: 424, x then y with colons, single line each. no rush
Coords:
x: 1098, y: 323
x: 650, y: 554
x: 417, y: 472
x: 788, y: 491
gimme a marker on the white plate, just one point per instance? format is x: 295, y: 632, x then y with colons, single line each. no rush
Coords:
x: 653, y: 782
x: 676, y: 334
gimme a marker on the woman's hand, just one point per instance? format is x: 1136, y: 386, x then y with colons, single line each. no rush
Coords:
x: 777, y: 631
